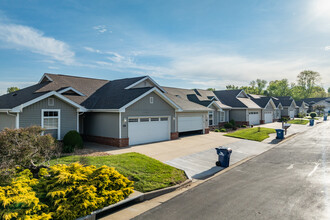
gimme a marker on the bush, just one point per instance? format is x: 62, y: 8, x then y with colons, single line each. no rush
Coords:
x: 313, y: 115
x: 300, y: 115
x: 19, y: 201
x: 66, y: 192
x: 25, y: 147
x: 243, y: 126
x: 223, y: 130
x: 232, y: 122
x: 217, y: 130
x: 235, y: 128
x: 72, y: 140
x: 228, y: 125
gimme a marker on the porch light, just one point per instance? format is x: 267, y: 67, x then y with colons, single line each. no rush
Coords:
x: 125, y: 120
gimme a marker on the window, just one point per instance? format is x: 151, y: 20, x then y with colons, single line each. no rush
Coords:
x: 164, y: 119
x: 51, y: 101
x: 154, y: 119
x: 144, y: 119
x: 222, y: 116
x: 51, y: 120
x: 133, y: 120
x: 151, y: 100
x: 210, y: 117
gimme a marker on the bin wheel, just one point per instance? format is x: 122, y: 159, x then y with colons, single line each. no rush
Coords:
x: 218, y: 163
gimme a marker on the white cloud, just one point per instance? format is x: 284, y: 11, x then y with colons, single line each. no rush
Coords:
x: 92, y: 50
x: 327, y: 48
x: 100, y: 28
x: 24, y: 37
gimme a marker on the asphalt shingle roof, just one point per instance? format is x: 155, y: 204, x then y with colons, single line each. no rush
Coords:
x: 262, y: 101
x: 286, y: 101
x: 229, y: 97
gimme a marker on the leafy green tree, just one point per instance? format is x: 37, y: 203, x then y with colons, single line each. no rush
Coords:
x: 211, y: 89
x: 308, y: 80
x: 12, y: 89
x: 319, y: 108
x: 329, y: 90
x: 231, y: 87
x: 261, y: 84
x: 279, y: 88
x: 318, y: 92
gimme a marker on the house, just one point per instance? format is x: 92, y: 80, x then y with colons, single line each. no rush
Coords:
x: 313, y: 102
x: 267, y: 106
x: 198, y: 105
x: 289, y: 106
x: 302, y: 107
x: 277, y: 112
x: 119, y: 113
x: 243, y: 110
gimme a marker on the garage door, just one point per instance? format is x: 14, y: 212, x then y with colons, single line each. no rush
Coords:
x: 254, y: 118
x: 291, y: 114
x: 143, y: 130
x: 268, y: 117
x: 190, y: 123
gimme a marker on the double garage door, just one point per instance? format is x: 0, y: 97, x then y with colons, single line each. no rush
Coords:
x: 186, y: 124
x: 291, y: 114
x: 148, y: 129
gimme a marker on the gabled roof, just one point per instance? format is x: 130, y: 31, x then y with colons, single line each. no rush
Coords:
x: 229, y: 98
x: 186, y: 99
x: 314, y: 100
x: 262, y: 101
x: 286, y: 101
x: 87, y: 93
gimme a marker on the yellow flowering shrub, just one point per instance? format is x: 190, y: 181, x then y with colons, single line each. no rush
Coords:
x: 63, y: 192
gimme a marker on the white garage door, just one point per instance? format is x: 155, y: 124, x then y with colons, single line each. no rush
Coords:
x: 268, y: 117
x: 291, y: 114
x: 254, y: 118
x: 190, y: 123
x: 146, y: 130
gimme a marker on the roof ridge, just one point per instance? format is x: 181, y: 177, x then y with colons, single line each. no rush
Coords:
x: 82, y: 77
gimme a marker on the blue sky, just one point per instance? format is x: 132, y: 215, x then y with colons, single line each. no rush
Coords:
x: 190, y: 44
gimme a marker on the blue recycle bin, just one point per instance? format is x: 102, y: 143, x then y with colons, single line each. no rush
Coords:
x: 325, y: 118
x: 279, y: 133
x: 223, y: 156
x: 311, y: 122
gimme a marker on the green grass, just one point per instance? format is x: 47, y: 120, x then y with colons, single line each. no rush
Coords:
x: 252, y: 134
x: 147, y: 173
x: 299, y: 121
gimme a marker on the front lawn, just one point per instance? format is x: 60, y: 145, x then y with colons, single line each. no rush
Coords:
x: 299, y: 121
x: 147, y: 173
x: 252, y: 133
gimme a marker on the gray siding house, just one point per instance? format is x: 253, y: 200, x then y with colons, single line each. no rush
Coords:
x: 289, y: 106
x: 313, y: 102
x: 301, y: 107
x: 118, y: 113
x: 267, y: 106
x: 278, y: 110
x: 243, y: 109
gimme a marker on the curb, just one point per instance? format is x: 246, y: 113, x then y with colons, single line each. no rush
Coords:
x: 130, y: 201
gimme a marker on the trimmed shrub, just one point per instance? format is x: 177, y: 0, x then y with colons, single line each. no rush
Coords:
x: 72, y: 140
x: 216, y: 130
x: 235, y: 128
x: 223, y: 130
x: 243, y: 126
x: 313, y: 115
x: 300, y: 115
x: 232, y: 122
x: 228, y: 125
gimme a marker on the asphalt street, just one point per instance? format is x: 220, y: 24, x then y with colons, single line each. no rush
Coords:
x: 290, y: 181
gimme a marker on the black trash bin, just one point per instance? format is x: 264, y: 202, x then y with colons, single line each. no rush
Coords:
x: 223, y: 156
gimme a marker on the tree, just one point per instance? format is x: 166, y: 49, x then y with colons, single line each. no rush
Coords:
x: 279, y: 88
x: 12, y: 89
x: 211, y: 89
x: 308, y: 80
x: 319, y: 108
x: 26, y: 148
x: 231, y: 87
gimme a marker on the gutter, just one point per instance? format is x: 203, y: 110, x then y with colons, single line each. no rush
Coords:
x: 10, y: 114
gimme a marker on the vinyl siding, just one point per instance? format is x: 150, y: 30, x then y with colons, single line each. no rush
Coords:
x: 103, y: 124
x: 143, y: 107
x: 31, y: 115
x: 7, y: 121
x: 238, y: 115
x: 268, y: 108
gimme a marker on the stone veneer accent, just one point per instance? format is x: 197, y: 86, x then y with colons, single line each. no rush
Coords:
x: 242, y: 123
x: 207, y: 130
x: 174, y: 135
x: 262, y: 121
x: 116, y: 142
